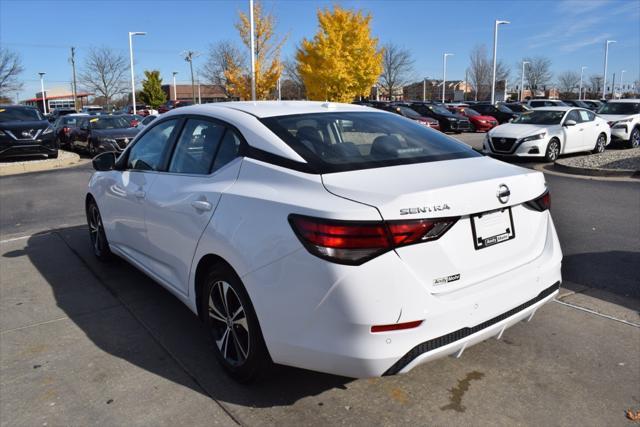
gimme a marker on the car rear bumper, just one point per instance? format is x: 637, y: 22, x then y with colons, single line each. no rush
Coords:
x: 324, y: 320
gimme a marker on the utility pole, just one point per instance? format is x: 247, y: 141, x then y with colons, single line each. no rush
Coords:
x: 75, y: 87
x: 188, y: 56
x: 253, y: 54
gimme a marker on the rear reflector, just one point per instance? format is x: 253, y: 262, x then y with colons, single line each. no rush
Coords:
x: 396, y: 326
x: 541, y: 203
x: 354, y: 242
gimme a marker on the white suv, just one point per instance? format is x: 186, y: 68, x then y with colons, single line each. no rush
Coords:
x: 624, y: 118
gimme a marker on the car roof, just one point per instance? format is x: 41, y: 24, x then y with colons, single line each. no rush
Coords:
x: 263, y: 109
x: 558, y: 108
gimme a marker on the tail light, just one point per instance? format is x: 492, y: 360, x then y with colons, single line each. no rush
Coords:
x: 396, y: 326
x: 541, y: 203
x: 66, y: 130
x: 134, y: 123
x: 355, y: 242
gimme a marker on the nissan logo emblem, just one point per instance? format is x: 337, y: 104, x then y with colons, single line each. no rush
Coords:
x: 503, y: 194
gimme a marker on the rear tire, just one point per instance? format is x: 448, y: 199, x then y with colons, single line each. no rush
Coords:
x: 98, y: 237
x: 600, y: 144
x: 233, y: 325
x: 634, y: 139
x: 553, y: 151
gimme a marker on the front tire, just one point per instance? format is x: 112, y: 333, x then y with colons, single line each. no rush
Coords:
x: 634, y: 139
x: 53, y: 156
x: 233, y: 325
x: 600, y: 144
x: 99, y: 242
x: 553, y: 151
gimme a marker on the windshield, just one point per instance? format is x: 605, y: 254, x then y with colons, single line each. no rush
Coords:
x: 471, y: 113
x: 518, y: 108
x: 504, y: 109
x: 333, y: 142
x: 620, y: 108
x: 540, y: 117
x: 438, y: 109
x: 109, y: 122
x: 19, y: 114
x: 408, y: 112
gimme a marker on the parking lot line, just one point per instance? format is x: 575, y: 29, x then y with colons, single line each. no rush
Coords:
x: 606, y: 316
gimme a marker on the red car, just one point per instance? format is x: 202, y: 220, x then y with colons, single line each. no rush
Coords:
x: 171, y: 104
x: 478, y: 121
x: 409, y: 113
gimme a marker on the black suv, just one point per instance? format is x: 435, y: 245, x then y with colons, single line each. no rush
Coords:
x: 25, y: 132
x: 501, y: 112
x: 449, y: 122
x: 95, y: 134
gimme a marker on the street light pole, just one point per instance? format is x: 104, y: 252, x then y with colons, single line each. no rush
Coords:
x: 621, y: 80
x: 253, y: 55
x: 133, y: 83
x: 495, y: 54
x: 44, y: 96
x: 522, y: 80
x: 444, y: 72
x: 606, y: 60
x: 175, y: 93
x: 188, y: 56
x: 424, y: 89
x: 581, y: 74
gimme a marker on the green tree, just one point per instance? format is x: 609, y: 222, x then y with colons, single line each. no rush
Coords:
x: 343, y: 60
x: 152, y: 93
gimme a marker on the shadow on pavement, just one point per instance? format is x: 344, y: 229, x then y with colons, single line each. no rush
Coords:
x: 617, y: 272
x: 171, y: 324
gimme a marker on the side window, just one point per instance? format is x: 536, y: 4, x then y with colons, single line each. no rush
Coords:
x: 229, y: 148
x: 591, y: 114
x: 196, y: 147
x: 573, y: 115
x: 584, y: 116
x: 148, y: 151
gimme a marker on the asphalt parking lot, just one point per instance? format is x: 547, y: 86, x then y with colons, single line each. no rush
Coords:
x: 88, y: 343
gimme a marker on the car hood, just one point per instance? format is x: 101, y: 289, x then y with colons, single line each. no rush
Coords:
x: 488, y: 118
x: 511, y: 130
x: 115, y: 133
x: 616, y: 117
x: 24, y: 125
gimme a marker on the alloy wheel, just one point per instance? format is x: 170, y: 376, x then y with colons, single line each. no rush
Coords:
x: 552, y: 151
x: 600, y: 144
x: 635, y: 138
x: 229, y: 324
x: 95, y: 229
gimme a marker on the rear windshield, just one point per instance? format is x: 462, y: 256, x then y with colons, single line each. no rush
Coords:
x: 335, y: 142
x: 110, y: 122
x: 620, y: 108
x: 19, y: 114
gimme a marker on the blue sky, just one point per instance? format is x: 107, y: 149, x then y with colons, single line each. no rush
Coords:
x: 571, y: 33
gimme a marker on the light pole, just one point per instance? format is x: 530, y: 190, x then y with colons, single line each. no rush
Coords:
x: 522, y: 80
x: 175, y: 93
x: 495, y: 54
x: 199, y: 97
x: 444, y: 72
x: 581, y: 74
x: 622, y: 80
x: 133, y: 82
x: 44, y: 96
x: 253, y: 55
x: 606, y: 60
x: 188, y: 56
x: 424, y: 89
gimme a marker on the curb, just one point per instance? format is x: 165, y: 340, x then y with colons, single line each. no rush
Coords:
x: 626, y: 173
x: 65, y: 159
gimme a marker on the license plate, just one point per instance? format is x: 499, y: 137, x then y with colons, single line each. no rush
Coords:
x: 491, y: 228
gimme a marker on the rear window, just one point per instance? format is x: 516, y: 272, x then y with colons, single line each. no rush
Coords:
x: 336, y: 142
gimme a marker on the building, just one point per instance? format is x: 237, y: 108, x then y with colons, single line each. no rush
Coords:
x: 204, y: 93
x: 431, y: 90
x: 59, y: 97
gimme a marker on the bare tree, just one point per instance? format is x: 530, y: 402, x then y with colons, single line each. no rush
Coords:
x: 480, y: 72
x: 105, y: 73
x: 568, y: 82
x: 219, y: 58
x: 397, y: 66
x: 596, y: 82
x: 538, y: 72
x: 10, y: 68
x: 292, y: 84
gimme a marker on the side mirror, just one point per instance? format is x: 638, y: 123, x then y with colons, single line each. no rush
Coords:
x: 104, y: 161
x: 570, y: 123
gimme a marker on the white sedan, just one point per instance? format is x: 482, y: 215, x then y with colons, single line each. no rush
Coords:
x: 330, y: 237
x: 549, y: 132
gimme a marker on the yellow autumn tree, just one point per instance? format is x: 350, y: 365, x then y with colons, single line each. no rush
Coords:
x: 343, y: 60
x: 267, y: 51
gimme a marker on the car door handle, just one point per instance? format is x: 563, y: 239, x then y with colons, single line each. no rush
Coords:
x: 140, y: 194
x: 202, y: 205
x: 581, y: 129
